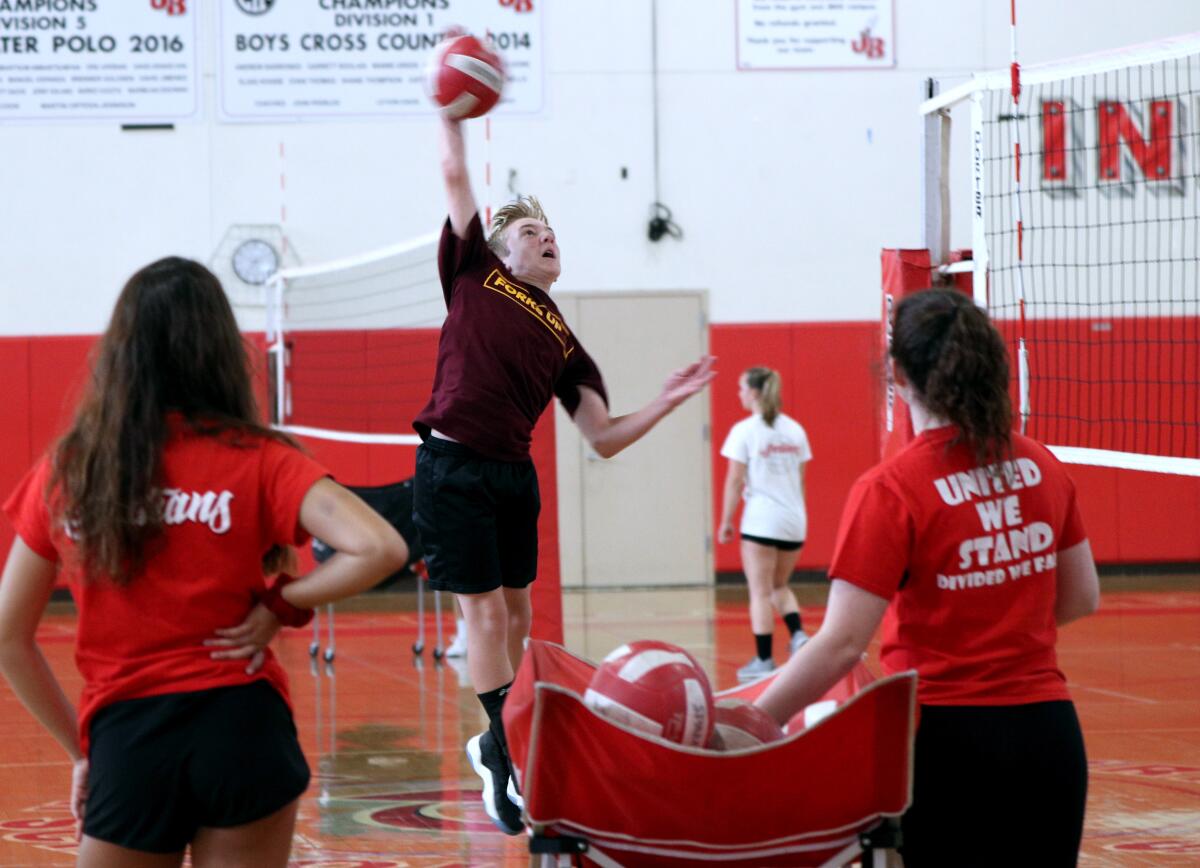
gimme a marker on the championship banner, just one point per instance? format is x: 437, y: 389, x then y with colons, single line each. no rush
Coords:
x: 331, y: 59
x: 124, y: 60
x: 815, y: 34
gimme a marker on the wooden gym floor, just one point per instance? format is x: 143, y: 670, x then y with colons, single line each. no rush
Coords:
x: 384, y: 730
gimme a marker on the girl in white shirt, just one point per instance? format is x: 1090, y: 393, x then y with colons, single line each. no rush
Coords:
x: 767, y: 452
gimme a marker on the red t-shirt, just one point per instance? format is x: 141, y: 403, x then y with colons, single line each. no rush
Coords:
x: 224, y: 507
x: 968, y: 561
x: 504, y: 352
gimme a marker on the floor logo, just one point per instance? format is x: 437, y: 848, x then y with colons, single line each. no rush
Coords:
x: 422, y: 810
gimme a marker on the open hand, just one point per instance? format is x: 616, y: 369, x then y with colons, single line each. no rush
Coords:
x: 685, y: 382
x: 247, y: 639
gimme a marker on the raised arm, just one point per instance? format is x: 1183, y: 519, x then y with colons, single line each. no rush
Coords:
x: 608, y: 435
x: 460, y: 199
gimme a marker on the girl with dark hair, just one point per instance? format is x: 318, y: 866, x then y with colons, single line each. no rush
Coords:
x: 767, y: 452
x: 162, y: 506
x: 968, y: 546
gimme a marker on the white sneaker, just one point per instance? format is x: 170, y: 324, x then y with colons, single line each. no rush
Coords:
x: 755, y: 669
x: 459, y: 665
x: 458, y: 642
x: 797, y: 641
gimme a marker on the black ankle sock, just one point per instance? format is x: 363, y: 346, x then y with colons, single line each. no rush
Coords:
x: 493, y: 704
x: 792, y: 619
x: 762, y: 644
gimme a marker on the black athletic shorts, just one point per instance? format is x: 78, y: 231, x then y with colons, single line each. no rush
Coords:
x: 162, y: 767
x: 477, y: 518
x: 782, y: 544
x: 998, y: 786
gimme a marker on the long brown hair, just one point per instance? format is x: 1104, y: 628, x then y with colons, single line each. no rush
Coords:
x: 958, y: 364
x: 767, y: 383
x: 172, y: 345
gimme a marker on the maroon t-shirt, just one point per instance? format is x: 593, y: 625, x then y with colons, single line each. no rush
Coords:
x: 503, y: 353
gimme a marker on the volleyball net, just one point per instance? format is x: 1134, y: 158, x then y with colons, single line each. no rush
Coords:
x: 353, y: 344
x: 1086, y: 246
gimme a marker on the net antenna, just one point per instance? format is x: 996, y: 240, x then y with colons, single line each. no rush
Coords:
x: 1086, y: 244
x: 352, y: 344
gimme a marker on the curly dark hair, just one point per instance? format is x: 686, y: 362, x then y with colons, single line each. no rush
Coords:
x: 958, y: 366
x: 172, y: 345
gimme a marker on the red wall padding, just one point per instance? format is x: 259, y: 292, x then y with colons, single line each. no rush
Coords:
x: 16, y: 438
x: 43, y: 378
x: 370, y: 382
x: 831, y: 380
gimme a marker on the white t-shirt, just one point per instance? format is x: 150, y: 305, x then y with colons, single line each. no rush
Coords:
x: 772, y: 455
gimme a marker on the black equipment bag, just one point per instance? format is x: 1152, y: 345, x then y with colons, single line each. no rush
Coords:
x: 395, y: 503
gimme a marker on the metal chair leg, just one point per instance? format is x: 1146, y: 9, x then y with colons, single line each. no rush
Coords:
x: 329, y: 648
x: 440, y: 648
x: 419, y: 645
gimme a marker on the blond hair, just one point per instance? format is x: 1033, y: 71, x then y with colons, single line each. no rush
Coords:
x: 767, y: 383
x: 507, y: 215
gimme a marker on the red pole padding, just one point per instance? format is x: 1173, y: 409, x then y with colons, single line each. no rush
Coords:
x: 904, y: 272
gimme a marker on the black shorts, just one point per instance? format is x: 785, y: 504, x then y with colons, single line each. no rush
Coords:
x: 162, y: 767
x: 782, y: 544
x: 477, y: 518
x: 996, y: 786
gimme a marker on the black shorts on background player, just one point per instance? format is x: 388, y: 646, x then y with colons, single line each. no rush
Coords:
x: 477, y: 518
x: 162, y: 767
x: 782, y: 544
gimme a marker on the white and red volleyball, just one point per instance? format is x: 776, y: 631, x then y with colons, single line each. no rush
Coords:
x: 465, y: 78
x: 738, y: 725
x: 657, y: 688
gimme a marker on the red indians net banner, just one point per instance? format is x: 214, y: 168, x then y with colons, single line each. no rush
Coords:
x: 1087, y: 199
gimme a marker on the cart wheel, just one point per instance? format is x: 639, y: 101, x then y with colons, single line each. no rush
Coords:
x: 418, y: 647
x: 328, y: 655
x: 438, y: 653
x: 313, y: 648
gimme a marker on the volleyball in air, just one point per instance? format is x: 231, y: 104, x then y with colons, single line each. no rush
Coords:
x: 465, y: 78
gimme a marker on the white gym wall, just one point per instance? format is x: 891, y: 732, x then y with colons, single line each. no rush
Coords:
x: 786, y: 184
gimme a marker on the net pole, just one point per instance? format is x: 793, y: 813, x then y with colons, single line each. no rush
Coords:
x: 277, y: 349
x: 1022, y: 351
x: 487, y: 171
x: 936, y: 194
x: 979, y: 240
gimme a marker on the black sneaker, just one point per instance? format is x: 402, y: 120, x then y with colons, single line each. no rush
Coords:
x: 488, y: 761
